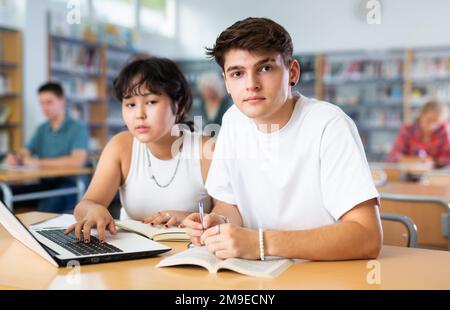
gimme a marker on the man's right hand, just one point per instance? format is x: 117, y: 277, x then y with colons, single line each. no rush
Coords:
x: 98, y: 217
x: 195, y: 229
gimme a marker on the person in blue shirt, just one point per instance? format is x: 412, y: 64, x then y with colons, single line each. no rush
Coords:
x: 59, y: 142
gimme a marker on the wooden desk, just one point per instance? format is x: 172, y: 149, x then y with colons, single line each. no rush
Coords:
x: 399, y: 171
x: 24, y: 176
x: 400, y: 268
x: 410, y: 188
x: 13, y: 177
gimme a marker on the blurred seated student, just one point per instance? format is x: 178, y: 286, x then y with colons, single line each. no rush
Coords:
x: 60, y: 142
x: 214, y: 99
x: 157, y: 164
x: 427, y: 140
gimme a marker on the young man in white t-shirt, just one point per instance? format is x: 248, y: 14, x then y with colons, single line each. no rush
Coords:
x: 289, y: 176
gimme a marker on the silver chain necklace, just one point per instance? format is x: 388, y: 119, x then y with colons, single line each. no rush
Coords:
x: 153, y: 175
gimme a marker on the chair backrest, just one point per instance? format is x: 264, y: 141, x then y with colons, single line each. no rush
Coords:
x: 379, y: 176
x: 430, y: 214
x: 398, y: 230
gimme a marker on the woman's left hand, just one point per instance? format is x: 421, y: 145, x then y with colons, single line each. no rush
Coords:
x: 166, y: 218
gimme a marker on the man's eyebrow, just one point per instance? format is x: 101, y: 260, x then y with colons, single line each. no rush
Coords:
x: 265, y: 60
x: 268, y: 59
x: 232, y: 68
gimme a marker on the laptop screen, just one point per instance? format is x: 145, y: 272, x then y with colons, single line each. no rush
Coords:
x: 21, y: 233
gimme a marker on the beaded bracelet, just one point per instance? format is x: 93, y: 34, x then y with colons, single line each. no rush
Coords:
x: 261, y: 244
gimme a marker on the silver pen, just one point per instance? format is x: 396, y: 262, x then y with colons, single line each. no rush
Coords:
x: 201, y: 212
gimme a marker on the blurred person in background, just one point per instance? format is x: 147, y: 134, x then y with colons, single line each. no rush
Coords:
x: 214, y: 99
x: 426, y: 140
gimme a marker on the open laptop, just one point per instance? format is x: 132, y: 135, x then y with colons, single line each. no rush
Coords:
x: 59, y: 250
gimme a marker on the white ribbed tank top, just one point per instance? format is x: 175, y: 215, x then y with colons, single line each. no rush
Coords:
x: 141, y: 197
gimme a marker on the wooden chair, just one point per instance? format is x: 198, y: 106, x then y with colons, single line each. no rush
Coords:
x: 429, y: 213
x: 398, y: 230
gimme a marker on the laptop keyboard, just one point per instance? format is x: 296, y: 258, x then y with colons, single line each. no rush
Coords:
x: 78, y: 248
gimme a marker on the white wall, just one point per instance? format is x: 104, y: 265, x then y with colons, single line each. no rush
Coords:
x: 159, y: 45
x: 12, y: 13
x: 35, y: 71
x: 315, y: 25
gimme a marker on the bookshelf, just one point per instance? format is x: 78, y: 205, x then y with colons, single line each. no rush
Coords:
x: 308, y: 69
x: 116, y: 58
x: 429, y: 77
x: 381, y: 90
x: 87, y: 69
x: 369, y: 88
x: 10, y: 90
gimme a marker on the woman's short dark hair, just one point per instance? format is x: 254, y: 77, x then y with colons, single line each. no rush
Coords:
x: 158, y: 75
x: 254, y: 35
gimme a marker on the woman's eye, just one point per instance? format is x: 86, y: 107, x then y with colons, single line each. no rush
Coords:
x: 129, y: 105
x: 152, y: 102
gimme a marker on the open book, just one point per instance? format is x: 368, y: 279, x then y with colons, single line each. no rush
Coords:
x: 200, y: 256
x: 159, y: 233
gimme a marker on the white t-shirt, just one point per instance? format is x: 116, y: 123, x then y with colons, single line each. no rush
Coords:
x: 305, y: 175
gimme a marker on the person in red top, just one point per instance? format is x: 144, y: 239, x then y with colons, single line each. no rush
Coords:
x: 427, y: 140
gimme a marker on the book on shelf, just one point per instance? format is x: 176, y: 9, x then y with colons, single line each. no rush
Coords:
x: 116, y: 35
x: 80, y: 59
x: 431, y: 67
x: 200, y: 256
x: 4, y: 84
x: 158, y: 233
x: 79, y: 111
x: 5, y: 112
x: 423, y: 93
x: 78, y: 89
x: 357, y: 70
x: 4, y: 142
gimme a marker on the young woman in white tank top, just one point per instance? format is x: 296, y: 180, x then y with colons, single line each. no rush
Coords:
x: 153, y: 185
x: 159, y: 168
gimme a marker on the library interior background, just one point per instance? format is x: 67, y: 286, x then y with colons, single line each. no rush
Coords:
x: 379, y: 61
